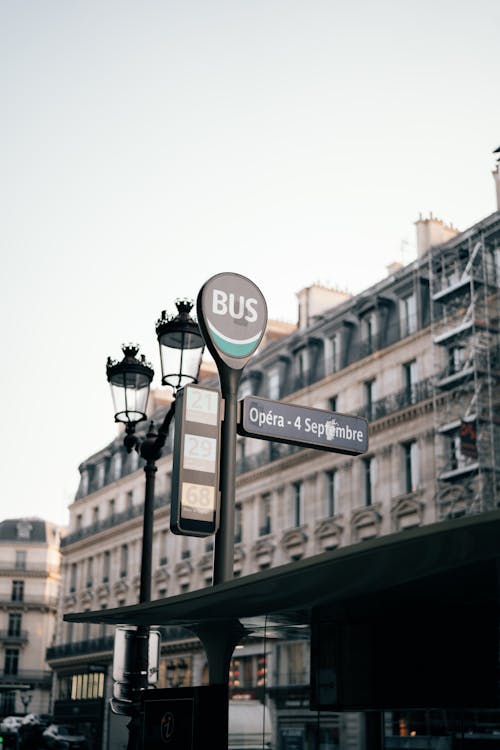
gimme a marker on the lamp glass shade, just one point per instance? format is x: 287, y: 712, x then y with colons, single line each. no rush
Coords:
x: 130, y: 398
x: 181, y: 348
x: 129, y: 380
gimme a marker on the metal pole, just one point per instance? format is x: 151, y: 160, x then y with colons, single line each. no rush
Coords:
x: 224, y: 538
x: 147, y: 532
x: 151, y: 449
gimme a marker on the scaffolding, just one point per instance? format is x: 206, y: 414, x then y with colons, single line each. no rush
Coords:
x: 464, y: 280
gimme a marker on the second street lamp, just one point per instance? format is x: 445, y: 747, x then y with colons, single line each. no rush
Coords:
x: 181, y: 348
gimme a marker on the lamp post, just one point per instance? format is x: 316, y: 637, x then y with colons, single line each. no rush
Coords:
x: 181, y: 348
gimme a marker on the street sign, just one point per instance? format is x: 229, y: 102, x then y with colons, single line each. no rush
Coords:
x: 195, y: 475
x: 232, y: 314
x: 302, y: 425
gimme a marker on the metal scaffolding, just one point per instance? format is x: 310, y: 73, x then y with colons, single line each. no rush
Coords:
x: 464, y: 278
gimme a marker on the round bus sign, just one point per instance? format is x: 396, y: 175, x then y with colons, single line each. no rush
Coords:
x: 232, y: 314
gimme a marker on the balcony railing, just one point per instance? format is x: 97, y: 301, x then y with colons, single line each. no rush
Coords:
x: 9, y: 637
x: 397, y: 401
x: 10, y: 568
x: 383, y: 407
x: 88, y: 646
x: 299, y: 677
x: 107, y: 523
x: 105, y: 643
x: 33, y: 678
x: 30, y: 602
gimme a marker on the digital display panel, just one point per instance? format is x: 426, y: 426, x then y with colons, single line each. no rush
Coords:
x: 197, y: 501
x: 195, y: 472
x: 200, y: 453
x: 202, y: 405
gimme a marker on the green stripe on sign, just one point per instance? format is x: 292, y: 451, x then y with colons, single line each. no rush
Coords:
x: 234, y: 350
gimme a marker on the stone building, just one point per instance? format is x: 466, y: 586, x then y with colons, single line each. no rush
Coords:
x: 29, y: 590
x: 417, y: 354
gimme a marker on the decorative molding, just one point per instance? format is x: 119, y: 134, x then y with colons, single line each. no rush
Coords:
x: 161, y: 575
x: 263, y: 547
x: 183, y: 569
x: 328, y: 527
x: 102, y: 591
x: 205, y: 562
x: 120, y: 587
x: 363, y: 520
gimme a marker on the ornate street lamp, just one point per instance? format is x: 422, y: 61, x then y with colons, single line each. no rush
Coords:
x: 130, y: 380
x: 181, y: 346
x: 181, y: 349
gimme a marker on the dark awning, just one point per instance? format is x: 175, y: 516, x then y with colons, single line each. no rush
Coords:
x: 441, y: 552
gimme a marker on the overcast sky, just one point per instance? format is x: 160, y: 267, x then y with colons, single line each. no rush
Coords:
x: 146, y: 146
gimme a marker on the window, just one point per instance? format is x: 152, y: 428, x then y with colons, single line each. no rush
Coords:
x: 84, y: 482
x: 95, y: 515
x: 300, y: 368
x: 106, y: 564
x: 117, y: 465
x: 410, y: 382
x: 265, y: 518
x: 456, y: 357
x: 245, y: 388
x: 370, y: 395
x: 111, y: 508
x: 78, y: 522
x: 163, y: 547
x: 293, y: 662
x: 90, y: 572
x: 102, y: 633
x: 86, y: 630
x: 85, y: 686
x: 21, y: 560
x: 274, y: 384
x: 335, y: 349
x: 332, y: 403
x: 7, y: 702
x: 369, y: 332
x: 369, y: 469
x: 408, y: 315
x: 331, y: 492
x: 410, y: 473
x: 101, y: 473
x: 11, y: 663
x: 24, y: 529
x: 238, y: 520
x: 17, y: 594
x: 15, y: 619
x: 72, y: 578
x: 129, y: 501
x: 456, y: 459
x: 297, y: 503
x: 123, y: 560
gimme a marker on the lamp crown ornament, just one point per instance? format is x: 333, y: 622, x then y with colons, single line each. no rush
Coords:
x: 184, y: 307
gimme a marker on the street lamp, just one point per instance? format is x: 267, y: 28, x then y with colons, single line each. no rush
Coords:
x: 181, y: 349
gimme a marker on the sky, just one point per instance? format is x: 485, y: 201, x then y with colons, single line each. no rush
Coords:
x: 146, y: 146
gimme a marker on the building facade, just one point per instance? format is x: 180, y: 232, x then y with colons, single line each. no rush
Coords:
x: 417, y: 354
x: 29, y: 592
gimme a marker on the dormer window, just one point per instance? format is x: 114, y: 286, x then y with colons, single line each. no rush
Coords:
x: 369, y: 331
x: 273, y: 384
x: 24, y: 529
x: 408, y: 315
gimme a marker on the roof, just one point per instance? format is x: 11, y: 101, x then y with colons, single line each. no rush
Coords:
x: 429, y: 561
x: 23, y: 530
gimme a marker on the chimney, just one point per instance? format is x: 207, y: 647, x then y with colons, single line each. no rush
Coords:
x: 316, y: 299
x: 496, y: 177
x: 394, y: 267
x: 432, y: 232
